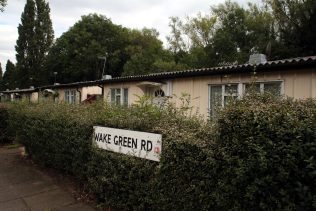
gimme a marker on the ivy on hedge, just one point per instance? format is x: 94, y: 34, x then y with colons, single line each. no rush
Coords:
x: 257, y: 155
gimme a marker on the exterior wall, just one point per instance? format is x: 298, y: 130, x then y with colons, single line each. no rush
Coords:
x: 298, y: 84
x: 81, y: 93
x: 34, y: 97
x: 61, y: 94
x: 90, y: 90
x: 133, y: 91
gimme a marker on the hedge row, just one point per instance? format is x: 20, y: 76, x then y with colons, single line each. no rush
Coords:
x: 257, y: 155
x: 4, y: 138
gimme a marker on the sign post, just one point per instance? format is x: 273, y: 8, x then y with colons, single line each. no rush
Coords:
x: 134, y: 143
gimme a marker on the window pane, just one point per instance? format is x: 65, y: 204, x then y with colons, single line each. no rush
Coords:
x: 118, y: 99
x: 118, y: 91
x: 66, y: 96
x: 252, y: 88
x: 215, y: 98
x: 231, y: 89
x: 229, y: 98
x: 273, y: 88
x: 112, y: 95
x: 125, y: 97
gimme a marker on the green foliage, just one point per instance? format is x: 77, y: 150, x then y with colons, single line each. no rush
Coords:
x: 9, y: 76
x: 229, y: 33
x: 4, y: 136
x: 257, y: 155
x: 76, y: 54
x: 143, y: 50
x: 265, y: 155
x: 35, y: 39
x: 295, y: 20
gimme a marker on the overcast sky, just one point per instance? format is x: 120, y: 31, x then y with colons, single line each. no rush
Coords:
x: 128, y: 13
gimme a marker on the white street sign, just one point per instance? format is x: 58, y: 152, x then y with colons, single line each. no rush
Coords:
x: 135, y: 143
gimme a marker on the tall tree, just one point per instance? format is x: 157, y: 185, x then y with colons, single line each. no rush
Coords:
x: 143, y: 50
x: 1, y: 72
x: 9, y: 76
x: 296, y: 26
x: 44, y: 36
x: 1, y: 81
x: 35, y: 38
x: 79, y: 54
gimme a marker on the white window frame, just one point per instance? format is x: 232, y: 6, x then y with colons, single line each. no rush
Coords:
x: 70, y: 96
x: 121, y: 94
x: 241, y: 89
x: 261, y: 83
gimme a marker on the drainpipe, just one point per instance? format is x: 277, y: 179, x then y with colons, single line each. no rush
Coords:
x: 102, y: 88
x: 79, y: 95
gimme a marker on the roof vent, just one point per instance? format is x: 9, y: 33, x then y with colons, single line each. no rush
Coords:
x: 106, y: 77
x: 257, y: 59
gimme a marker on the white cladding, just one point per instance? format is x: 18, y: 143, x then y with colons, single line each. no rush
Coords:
x: 135, y: 143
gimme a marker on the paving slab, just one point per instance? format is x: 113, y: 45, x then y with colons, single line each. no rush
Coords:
x: 25, y: 187
x: 74, y: 207
x: 14, y: 205
x: 48, y: 200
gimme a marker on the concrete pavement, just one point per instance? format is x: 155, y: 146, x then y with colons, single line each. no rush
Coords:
x: 23, y: 187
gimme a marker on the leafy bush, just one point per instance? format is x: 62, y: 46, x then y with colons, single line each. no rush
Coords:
x: 257, y: 155
x: 265, y: 155
x: 4, y: 137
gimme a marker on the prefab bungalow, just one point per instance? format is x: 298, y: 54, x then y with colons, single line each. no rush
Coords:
x: 29, y: 95
x: 210, y: 87
x: 73, y: 93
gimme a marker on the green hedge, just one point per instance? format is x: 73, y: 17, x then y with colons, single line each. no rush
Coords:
x: 257, y: 155
x: 4, y: 136
x: 265, y: 155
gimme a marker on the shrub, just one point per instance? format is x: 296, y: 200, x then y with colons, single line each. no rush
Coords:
x: 4, y: 136
x: 257, y: 155
x: 265, y: 155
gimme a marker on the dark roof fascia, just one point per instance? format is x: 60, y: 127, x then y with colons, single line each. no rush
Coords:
x: 18, y: 91
x: 71, y: 85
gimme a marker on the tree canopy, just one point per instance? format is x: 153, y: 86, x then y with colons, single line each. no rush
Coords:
x: 34, y: 41
x: 9, y: 80
x: 80, y: 52
x: 295, y: 22
x: 226, y: 35
x: 229, y: 33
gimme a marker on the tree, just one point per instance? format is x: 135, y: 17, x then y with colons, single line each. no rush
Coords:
x: 76, y: 55
x: 9, y: 76
x: 200, y: 30
x: 44, y: 36
x: 143, y: 50
x: 228, y: 34
x: 1, y: 72
x: 35, y: 39
x: 296, y: 26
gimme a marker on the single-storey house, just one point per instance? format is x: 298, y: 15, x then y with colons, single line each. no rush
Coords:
x: 30, y: 95
x: 210, y: 87
x: 73, y: 93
